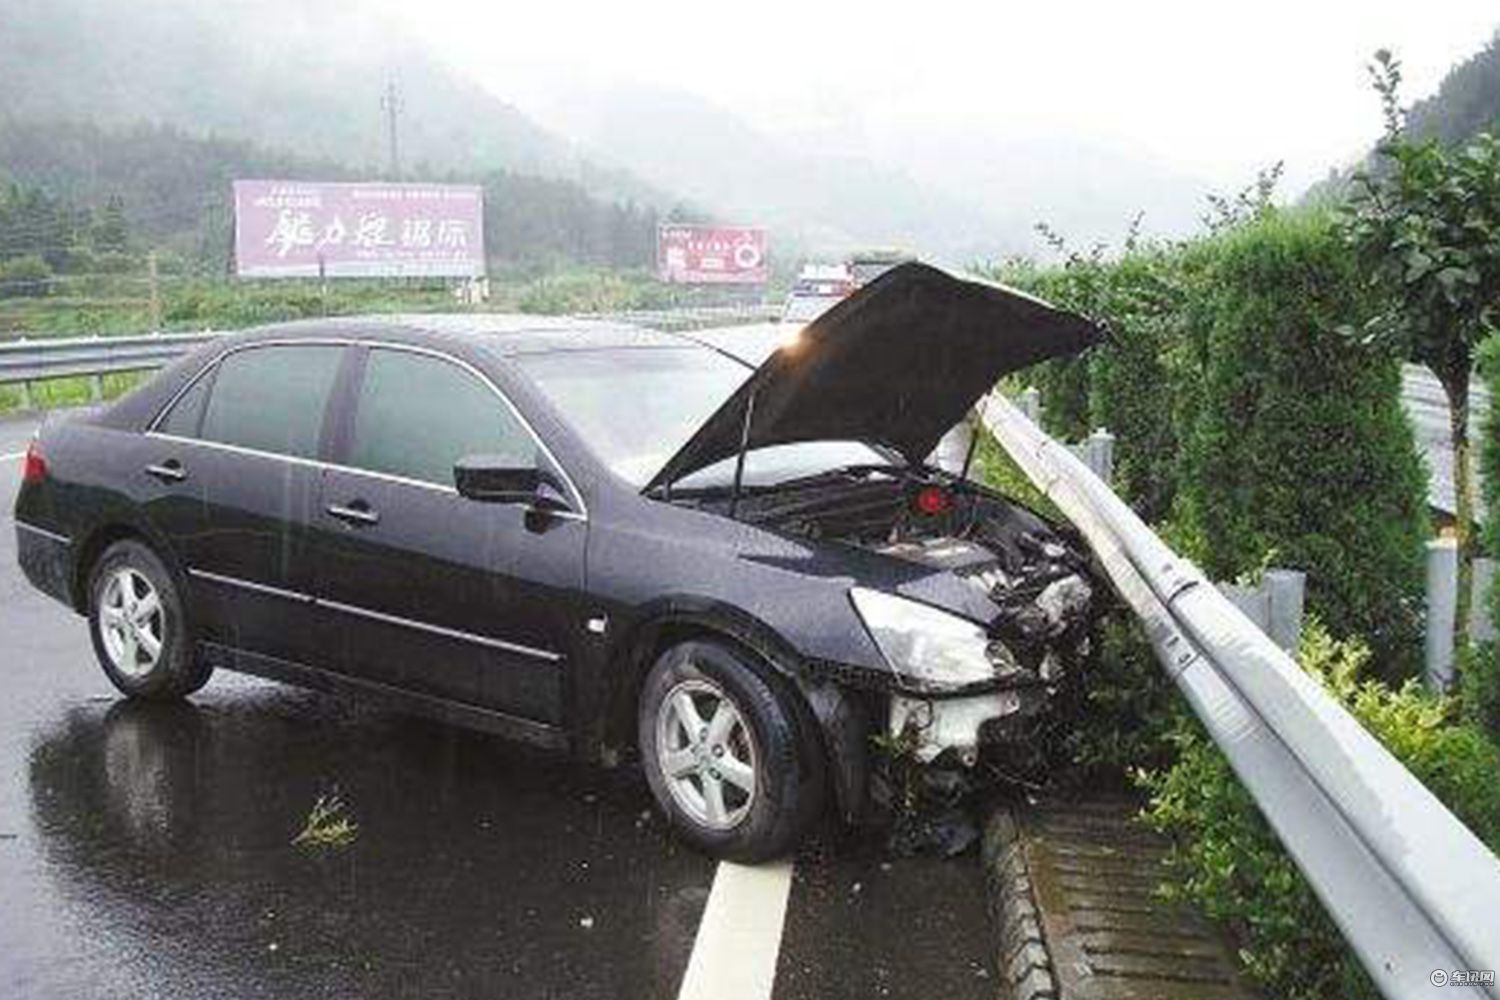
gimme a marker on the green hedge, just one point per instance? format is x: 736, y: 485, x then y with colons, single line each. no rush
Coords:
x: 1227, y: 862
x: 1480, y: 669
x: 1248, y: 427
x: 1126, y: 386
x: 1298, y: 452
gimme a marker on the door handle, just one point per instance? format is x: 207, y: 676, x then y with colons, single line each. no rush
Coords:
x: 170, y: 471
x: 357, y: 512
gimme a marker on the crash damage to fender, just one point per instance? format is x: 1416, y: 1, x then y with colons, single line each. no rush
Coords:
x: 896, y: 366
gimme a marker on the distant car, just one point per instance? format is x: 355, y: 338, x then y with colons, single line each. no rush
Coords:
x: 588, y: 536
x: 818, y: 289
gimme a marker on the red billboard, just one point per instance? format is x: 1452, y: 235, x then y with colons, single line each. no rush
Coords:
x: 712, y: 255
x: 300, y: 229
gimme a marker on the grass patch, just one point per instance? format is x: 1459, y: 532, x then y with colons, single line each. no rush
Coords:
x: 329, y: 826
x: 73, y: 391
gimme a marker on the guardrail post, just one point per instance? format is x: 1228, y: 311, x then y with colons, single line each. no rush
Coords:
x: 1286, y: 590
x: 1101, y: 454
x: 1442, y: 609
x: 26, y: 401
x: 1481, y: 622
x: 96, y: 388
x: 1031, y: 404
x: 1251, y: 601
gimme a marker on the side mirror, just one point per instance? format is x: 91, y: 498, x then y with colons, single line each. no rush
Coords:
x: 490, y: 479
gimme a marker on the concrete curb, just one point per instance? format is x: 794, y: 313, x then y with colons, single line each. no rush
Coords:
x: 1071, y: 887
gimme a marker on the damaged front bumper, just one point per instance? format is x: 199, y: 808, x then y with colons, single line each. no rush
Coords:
x: 933, y: 727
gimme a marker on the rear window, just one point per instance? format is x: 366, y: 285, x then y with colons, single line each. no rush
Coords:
x: 272, y: 398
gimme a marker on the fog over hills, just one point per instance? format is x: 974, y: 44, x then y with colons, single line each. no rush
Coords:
x: 307, y: 80
x: 953, y: 194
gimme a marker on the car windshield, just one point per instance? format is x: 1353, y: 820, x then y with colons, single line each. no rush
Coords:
x: 635, y: 407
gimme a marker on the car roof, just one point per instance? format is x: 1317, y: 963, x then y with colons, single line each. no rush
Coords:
x: 502, y: 334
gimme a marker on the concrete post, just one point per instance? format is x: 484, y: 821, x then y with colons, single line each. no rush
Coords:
x: 1031, y: 404
x: 1442, y: 609
x: 1481, y: 622
x: 1250, y: 600
x: 1286, y: 590
x: 1102, y: 454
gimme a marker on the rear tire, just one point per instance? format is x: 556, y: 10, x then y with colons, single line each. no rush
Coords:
x: 139, y: 625
x: 725, y: 749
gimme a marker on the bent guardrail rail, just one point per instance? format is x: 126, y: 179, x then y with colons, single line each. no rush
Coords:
x: 1412, y: 890
x: 63, y: 357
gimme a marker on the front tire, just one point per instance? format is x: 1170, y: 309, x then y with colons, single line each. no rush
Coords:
x: 139, y: 626
x: 723, y: 749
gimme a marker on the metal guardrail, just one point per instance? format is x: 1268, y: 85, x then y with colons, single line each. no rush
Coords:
x: 23, y: 361
x: 1412, y: 890
x: 34, y: 360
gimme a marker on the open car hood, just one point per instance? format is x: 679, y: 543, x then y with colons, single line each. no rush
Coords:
x: 897, y: 363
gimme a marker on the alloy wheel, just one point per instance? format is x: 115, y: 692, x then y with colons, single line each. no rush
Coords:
x: 706, y: 754
x: 131, y: 622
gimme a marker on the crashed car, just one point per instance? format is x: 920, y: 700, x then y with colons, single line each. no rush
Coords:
x: 599, y: 539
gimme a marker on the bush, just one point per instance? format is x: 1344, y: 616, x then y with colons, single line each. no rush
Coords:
x: 24, y: 277
x: 1229, y: 863
x: 1480, y: 674
x: 1296, y: 444
x: 1128, y: 708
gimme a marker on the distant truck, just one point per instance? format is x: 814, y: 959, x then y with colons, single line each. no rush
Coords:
x: 819, y: 288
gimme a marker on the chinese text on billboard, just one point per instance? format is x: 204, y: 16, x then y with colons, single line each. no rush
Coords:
x: 290, y: 229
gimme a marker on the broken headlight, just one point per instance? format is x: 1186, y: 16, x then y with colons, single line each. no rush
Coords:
x: 930, y: 650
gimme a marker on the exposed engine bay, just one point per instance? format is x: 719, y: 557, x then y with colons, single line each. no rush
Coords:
x: 1037, y: 575
x: 1035, y: 572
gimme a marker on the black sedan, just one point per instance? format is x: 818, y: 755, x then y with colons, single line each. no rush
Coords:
x: 588, y: 536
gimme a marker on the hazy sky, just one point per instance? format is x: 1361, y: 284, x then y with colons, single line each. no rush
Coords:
x: 1213, y: 89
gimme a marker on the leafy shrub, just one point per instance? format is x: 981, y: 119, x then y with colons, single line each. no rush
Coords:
x: 1228, y: 862
x: 1128, y: 708
x: 1297, y: 442
x: 24, y: 277
x: 1480, y: 669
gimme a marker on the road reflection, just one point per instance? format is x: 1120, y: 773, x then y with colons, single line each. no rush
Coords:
x: 478, y: 866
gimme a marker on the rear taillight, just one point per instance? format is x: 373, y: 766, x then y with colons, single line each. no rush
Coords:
x: 34, y: 466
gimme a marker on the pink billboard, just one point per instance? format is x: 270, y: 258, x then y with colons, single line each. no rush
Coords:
x: 296, y: 229
x: 712, y: 254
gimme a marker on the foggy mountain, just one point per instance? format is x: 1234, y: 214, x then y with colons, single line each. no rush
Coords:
x: 956, y: 195
x: 305, y: 79
x: 1466, y: 103
x: 308, y: 81
x: 826, y: 201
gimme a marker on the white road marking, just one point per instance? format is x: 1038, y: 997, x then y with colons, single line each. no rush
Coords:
x: 739, y: 938
x: 10, y: 455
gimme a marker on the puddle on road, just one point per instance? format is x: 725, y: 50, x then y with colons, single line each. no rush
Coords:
x: 478, y: 867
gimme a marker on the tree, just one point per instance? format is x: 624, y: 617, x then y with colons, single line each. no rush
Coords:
x: 111, y: 231
x: 1425, y: 221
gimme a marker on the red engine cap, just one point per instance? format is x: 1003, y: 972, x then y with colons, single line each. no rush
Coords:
x: 931, y: 500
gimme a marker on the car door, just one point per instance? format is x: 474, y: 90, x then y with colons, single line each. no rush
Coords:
x: 237, y: 459
x: 423, y: 589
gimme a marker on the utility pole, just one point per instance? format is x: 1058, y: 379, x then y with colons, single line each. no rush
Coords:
x: 391, y: 104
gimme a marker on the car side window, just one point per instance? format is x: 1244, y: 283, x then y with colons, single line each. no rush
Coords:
x: 272, y: 398
x: 186, y: 414
x: 416, y: 415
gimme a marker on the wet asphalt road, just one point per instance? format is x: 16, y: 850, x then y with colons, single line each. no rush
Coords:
x: 145, y: 851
